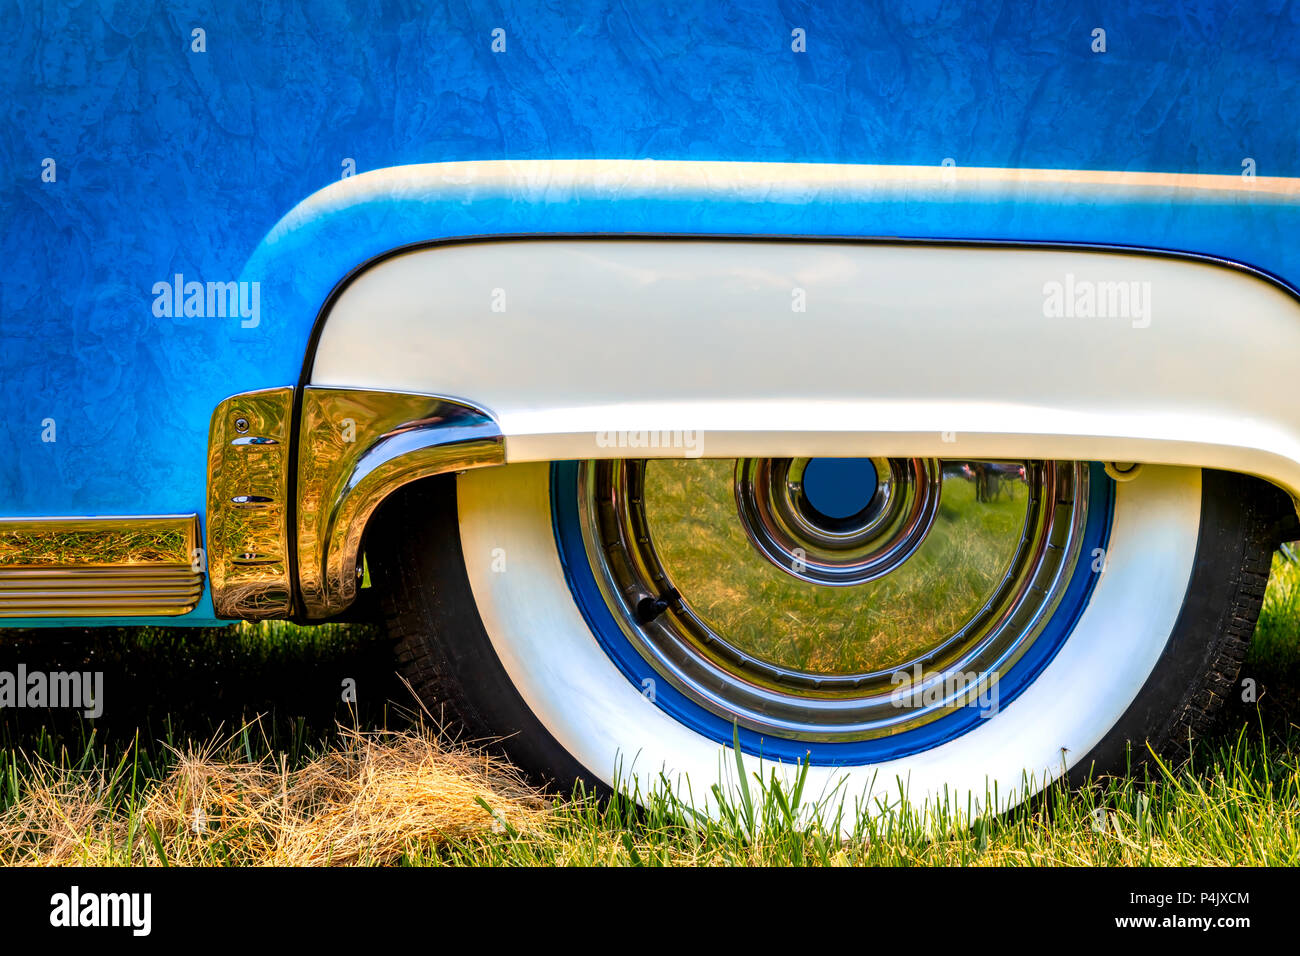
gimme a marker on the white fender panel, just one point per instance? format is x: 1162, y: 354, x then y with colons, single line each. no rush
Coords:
x: 598, y: 347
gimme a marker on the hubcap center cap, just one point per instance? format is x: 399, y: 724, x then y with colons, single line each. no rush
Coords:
x: 839, y: 488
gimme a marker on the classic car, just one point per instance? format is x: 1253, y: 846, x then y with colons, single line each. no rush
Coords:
x: 894, y: 394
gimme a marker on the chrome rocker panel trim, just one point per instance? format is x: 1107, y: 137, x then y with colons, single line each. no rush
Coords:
x: 137, y: 566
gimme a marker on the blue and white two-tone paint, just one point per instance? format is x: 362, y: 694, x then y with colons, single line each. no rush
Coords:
x: 274, y: 277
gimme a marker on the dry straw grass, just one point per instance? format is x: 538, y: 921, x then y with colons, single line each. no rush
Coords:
x: 369, y: 800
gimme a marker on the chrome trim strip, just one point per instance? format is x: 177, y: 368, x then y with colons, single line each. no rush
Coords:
x: 356, y: 447
x: 138, y: 566
x: 248, y: 500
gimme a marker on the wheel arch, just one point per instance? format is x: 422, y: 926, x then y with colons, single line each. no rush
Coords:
x: 353, y: 229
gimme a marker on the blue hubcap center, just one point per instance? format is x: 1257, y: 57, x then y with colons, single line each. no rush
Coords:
x: 839, y: 487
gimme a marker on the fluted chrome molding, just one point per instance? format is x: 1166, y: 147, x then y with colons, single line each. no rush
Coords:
x: 136, y: 566
x: 248, y: 505
x: 356, y: 447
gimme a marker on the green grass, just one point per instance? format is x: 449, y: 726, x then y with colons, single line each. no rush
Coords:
x: 113, y: 794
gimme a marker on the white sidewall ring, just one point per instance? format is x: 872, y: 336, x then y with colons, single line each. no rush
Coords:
x: 614, y: 730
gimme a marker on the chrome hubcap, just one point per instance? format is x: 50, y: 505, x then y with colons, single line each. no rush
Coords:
x: 769, y: 601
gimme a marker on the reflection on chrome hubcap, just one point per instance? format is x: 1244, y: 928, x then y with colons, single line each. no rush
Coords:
x: 794, y: 534
x: 763, y: 608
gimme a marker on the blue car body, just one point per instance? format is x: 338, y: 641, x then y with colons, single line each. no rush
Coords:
x: 136, y: 163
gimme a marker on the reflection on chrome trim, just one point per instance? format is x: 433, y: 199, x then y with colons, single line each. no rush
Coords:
x: 356, y: 448
x: 139, y: 566
x: 248, y: 492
